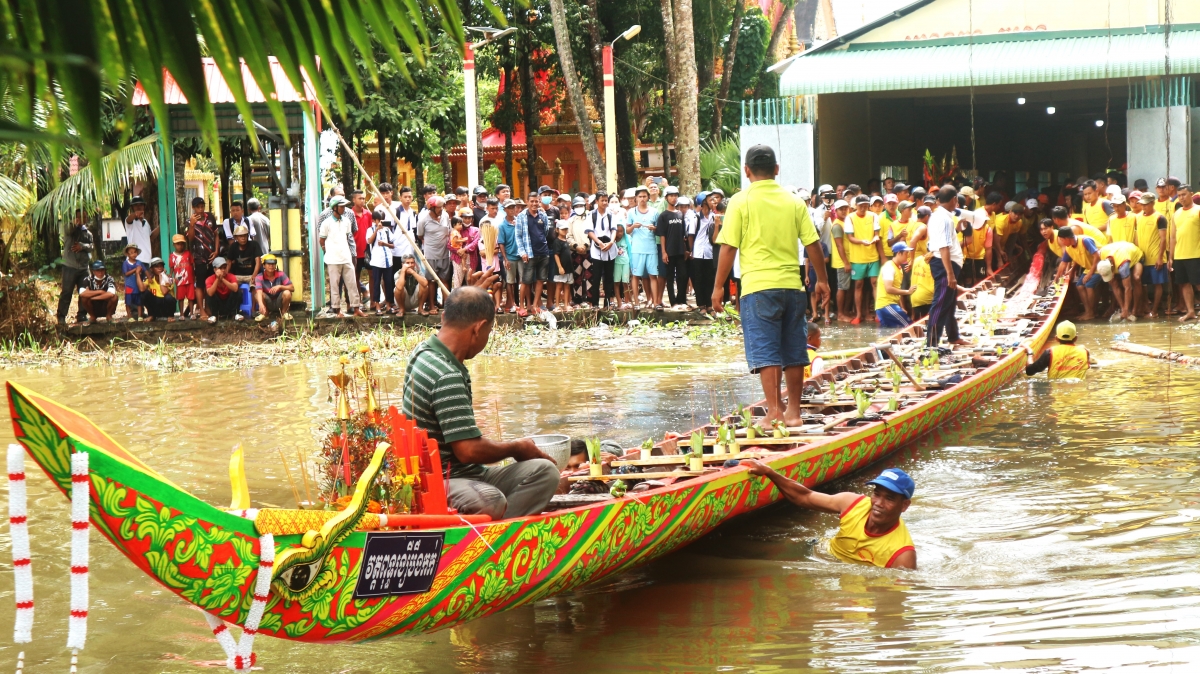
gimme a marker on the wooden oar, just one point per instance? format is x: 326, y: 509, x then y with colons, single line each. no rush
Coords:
x: 887, y: 348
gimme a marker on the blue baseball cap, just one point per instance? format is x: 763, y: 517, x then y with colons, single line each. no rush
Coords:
x: 900, y: 247
x: 896, y: 480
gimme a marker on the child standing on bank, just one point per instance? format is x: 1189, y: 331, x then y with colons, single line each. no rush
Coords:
x: 621, y: 274
x: 560, y: 291
x: 134, y: 273
x: 183, y: 270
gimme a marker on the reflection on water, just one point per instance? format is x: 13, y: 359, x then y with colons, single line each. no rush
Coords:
x: 1056, y: 529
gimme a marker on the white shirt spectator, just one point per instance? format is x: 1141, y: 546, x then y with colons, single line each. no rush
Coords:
x: 337, y: 234
x: 603, y: 225
x: 942, y: 235
x: 702, y: 245
x: 138, y: 232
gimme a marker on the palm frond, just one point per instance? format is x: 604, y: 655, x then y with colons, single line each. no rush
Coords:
x: 98, y: 184
x: 61, y: 55
x: 721, y: 165
x: 14, y: 198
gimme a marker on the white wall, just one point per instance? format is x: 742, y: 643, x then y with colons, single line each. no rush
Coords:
x: 1146, y: 140
x: 793, y: 145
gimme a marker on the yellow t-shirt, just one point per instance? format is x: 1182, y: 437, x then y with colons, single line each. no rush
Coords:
x: 834, y: 255
x: 1088, y: 230
x: 922, y: 280
x: 887, y: 229
x: 882, y: 298
x: 1079, y: 252
x: 1122, y: 229
x: 763, y: 222
x: 921, y: 247
x: 863, y: 229
x: 852, y: 543
x: 1150, y: 238
x: 999, y: 223
x: 1094, y: 214
x: 1121, y: 252
x: 975, y: 242
x: 1187, y: 233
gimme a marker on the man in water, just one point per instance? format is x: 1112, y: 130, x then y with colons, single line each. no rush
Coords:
x: 871, y: 530
x: 437, y: 395
x: 1065, y: 360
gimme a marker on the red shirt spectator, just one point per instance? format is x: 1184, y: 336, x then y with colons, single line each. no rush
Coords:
x: 223, y: 289
x: 362, y: 217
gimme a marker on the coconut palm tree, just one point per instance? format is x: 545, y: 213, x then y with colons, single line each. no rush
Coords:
x: 62, y: 55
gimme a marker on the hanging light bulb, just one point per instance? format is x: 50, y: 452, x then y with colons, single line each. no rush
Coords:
x: 1020, y: 100
x: 1099, y: 122
x: 1049, y: 109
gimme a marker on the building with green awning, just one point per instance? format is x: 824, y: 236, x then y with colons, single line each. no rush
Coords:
x: 1032, y: 93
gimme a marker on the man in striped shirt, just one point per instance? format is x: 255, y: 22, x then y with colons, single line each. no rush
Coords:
x: 437, y: 395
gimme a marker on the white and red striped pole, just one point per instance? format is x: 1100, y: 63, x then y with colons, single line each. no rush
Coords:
x: 610, y: 122
x: 19, y: 530
x: 80, y: 528
x: 472, y: 122
x: 239, y: 654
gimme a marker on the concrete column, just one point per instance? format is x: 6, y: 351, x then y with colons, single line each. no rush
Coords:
x: 1149, y: 133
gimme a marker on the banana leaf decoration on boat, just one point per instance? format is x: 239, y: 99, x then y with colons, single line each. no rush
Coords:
x: 301, y: 571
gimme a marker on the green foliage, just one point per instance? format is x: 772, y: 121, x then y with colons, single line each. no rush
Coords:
x: 721, y: 165
x: 593, y: 449
x: 751, y: 52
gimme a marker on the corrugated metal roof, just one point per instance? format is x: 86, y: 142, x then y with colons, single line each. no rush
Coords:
x: 219, y: 91
x: 1023, y: 58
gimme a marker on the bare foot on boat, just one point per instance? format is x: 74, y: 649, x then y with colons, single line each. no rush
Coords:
x: 1187, y: 317
x: 960, y: 342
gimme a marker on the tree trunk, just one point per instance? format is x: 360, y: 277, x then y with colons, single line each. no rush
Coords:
x: 529, y: 112
x: 247, y: 159
x: 687, y: 114
x: 566, y: 62
x: 773, y: 45
x: 596, y: 52
x: 510, y: 178
x: 418, y: 173
x: 627, y: 173
x: 739, y: 9
x: 226, y: 188
x: 347, y: 169
x: 447, y: 187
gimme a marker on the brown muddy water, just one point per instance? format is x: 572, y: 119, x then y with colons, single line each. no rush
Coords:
x: 1057, y: 529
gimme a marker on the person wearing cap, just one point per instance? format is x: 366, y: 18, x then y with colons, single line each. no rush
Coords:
x: 273, y: 291
x: 157, y: 289
x: 97, y: 295
x: 946, y: 266
x: 244, y: 255
x: 763, y: 224
x: 183, y: 271
x: 479, y: 197
x: 533, y: 235
x: 889, y: 307
x: 1184, y: 249
x: 864, y: 245
x: 139, y: 231
x: 546, y: 196
x: 838, y: 259
x: 671, y: 233
x: 603, y: 230
x: 237, y: 218
x: 1081, y: 254
x: 1150, y: 234
x: 132, y: 269
x: 1121, y: 224
x: 224, y: 299
x: 1062, y: 219
x: 1120, y: 267
x: 582, y: 268
x: 77, y: 257
x: 1065, y: 360
x: 510, y: 257
x: 259, y: 223
x: 643, y: 248
x: 561, y: 265
x: 337, y: 245
x: 1164, y: 190
x: 870, y: 530
x: 433, y: 233
x: 888, y: 218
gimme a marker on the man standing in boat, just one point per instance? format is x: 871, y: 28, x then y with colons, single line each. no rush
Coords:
x: 763, y: 223
x: 871, y: 530
x: 437, y: 395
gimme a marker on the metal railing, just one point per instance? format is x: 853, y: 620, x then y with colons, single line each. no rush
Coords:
x: 783, y: 110
x: 1165, y: 92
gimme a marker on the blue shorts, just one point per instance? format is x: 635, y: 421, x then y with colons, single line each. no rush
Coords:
x: 1123, y: 271
x: 133, y: 299
x: 643, y: 264
x: 862, y: 270
x: 892, y: 316
x: 774, y: 329
x: 1154, y: 276
x: 1092, y: 282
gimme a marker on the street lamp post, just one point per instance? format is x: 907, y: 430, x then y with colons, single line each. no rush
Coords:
x: 472, y: 110
x: 610, y: 110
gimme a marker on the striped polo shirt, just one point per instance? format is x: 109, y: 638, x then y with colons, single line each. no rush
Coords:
x: 437, y: 395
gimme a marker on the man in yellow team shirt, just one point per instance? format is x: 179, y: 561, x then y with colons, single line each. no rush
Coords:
x: 1185, y: 249
x: 865, y: 249
x: 1122, y: 225
x: 871, y: 530
x: 1083, y: 252
x: 1096, y: 209
x: 889, y: 308
x: 1122, y: 259
x: 1151, y: 237
x: 1065, y: 360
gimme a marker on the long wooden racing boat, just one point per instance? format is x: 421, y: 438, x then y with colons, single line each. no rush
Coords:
x: 328, y: 585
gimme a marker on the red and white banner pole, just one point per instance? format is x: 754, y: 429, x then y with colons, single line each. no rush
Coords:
x: 610, y: 122
x: 80, y: 528
x: 19, y: 530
